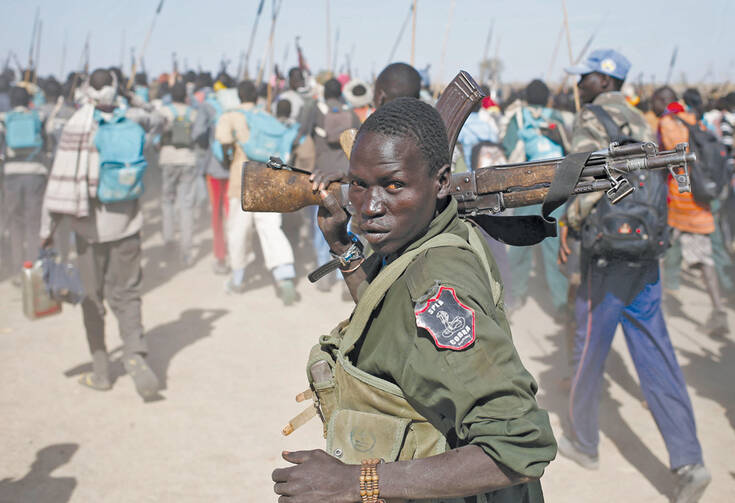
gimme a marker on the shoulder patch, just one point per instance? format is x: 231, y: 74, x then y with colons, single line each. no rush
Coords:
x: 449, y: 322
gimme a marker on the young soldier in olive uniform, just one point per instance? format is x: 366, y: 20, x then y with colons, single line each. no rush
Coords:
x: 627, y: 291
x: 425, y: 374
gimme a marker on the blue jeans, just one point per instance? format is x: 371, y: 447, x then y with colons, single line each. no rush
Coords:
x: 653, y: 356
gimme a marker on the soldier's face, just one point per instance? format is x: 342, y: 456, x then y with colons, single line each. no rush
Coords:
x: 590, y: 85
x: 392, y: 192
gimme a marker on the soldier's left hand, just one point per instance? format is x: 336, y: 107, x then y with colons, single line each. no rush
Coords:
x: 316, y: 477
x: 326, y: 174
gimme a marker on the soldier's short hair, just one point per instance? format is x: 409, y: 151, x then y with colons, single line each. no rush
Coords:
x: 412, y: 118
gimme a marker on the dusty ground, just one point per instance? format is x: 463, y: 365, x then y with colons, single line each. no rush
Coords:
x: 231, y: 366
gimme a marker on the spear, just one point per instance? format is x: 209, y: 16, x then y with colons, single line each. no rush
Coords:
x: 239, y: 65
x: 122, y: 51
x: 36, y: 21
x: 584, y: 50
x: 18, y: 64
x: 336, y: 46
x: 38, y: 52
x: 400, y: 33
x: 274, y: 16
x: 86, y: 54
x: 63, y: 56
x: 672, y: 63
x: 285, y: 56
x: 413, y: 35
x: 83, y: 63
x: 485, y: 54
x: 555, y: 53
x: 300, y: 53
x: 145, y: 44
x: 246, y: 73
x: 569, y: 46
x: 329, y: 38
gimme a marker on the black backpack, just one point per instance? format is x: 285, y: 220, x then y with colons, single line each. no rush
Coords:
x: 636, y: 228
x: 710, y: 173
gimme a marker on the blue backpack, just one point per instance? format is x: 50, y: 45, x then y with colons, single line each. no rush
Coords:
x: 268, y: 136
x: 214, y: 145
x: 120, y: 144
x: 23, y: 133
x: 143, y: 93
x: 538, y: 147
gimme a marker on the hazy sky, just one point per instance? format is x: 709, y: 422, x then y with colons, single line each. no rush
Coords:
x: 202, y: 31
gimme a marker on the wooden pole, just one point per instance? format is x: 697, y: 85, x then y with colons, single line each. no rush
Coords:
x: 38, y: 52
x: 413, y: 35
x: 145, y: 45
x: 261, y: 71
x: 555, y: 53
x: 400, y: 34
x: 569, y: 46
x: 246, y: 72
x: 63, y: 57
x: 486, y: 53
x: 336, y: 52
x: 36, y: 21
x: 329, y: 40
x: 122, y: 51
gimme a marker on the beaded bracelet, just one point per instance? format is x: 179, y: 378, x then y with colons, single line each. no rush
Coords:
x: 369, y: 486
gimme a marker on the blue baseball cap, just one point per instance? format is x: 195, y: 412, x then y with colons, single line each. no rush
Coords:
x: 605, y: 61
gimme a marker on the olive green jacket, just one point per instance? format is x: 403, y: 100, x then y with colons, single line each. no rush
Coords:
x: 479, y: 395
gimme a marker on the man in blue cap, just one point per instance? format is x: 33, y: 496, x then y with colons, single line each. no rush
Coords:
x: 621, y: 245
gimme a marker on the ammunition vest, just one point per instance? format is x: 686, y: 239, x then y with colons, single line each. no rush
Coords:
x: 365, y: 416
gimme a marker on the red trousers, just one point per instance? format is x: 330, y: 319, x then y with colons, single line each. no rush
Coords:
x: 218, y: 199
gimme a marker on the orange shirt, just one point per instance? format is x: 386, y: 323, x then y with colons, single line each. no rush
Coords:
x: 685, y: 213
x: 652, y: 119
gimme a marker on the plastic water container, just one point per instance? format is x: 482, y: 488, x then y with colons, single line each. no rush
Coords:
x: 36, y: 301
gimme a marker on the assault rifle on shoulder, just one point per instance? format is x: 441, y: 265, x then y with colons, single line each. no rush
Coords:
x: 484, y: 193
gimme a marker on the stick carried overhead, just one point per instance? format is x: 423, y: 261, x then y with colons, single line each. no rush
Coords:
x: 38, y: 52
x: 145, y: 45
x: 268, y: 48
x: 246, y: 72
x: 400, y: 34
x: 34, y: 36
x: 413, y: 35
x: 569, y: 46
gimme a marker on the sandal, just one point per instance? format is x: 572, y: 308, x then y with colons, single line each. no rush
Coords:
x: 94, y: 381
x: 146, y: 382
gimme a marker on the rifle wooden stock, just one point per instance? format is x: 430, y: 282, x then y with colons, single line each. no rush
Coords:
x: 278, y: 190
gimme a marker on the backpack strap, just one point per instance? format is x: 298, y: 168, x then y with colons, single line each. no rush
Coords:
x: 377, y: 289
x: 690, y: 127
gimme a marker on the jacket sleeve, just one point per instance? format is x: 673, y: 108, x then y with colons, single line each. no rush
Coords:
x: 482, y: 394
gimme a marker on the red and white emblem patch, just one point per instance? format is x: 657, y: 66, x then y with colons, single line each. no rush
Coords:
x: 450, y: 323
